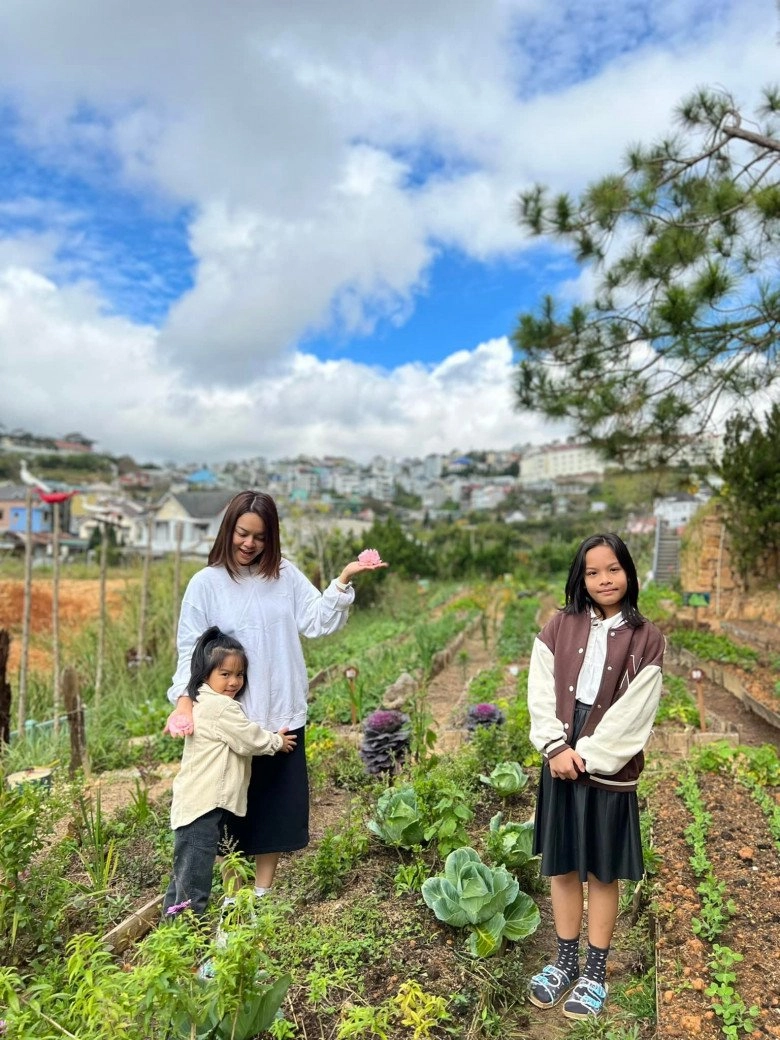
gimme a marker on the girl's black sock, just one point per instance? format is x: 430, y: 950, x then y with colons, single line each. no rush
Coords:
x: 596, y: 964
x: 569, y: 957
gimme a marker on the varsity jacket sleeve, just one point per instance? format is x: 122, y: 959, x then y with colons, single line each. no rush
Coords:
x: 547, y: 733
x: 625, y: 727
x: 318, y: 613
x: 242, y: 735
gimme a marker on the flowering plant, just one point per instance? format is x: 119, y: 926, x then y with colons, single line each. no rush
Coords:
x: 483, y: 715
x: 385, y: 720
x: 386, y: 740
x: 369, y: 556
x: 177, y: 908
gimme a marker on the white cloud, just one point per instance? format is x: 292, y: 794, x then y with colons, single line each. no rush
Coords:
x: 326, y: 156
x: 66, y: 366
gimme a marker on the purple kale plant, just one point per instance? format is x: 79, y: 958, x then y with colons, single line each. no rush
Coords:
x: 483, y: 715
x: 386, y: 741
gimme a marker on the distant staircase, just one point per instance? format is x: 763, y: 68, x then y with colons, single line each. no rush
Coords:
x: 666, y: 556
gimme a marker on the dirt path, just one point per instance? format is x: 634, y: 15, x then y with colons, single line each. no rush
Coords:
x: 446, y: 702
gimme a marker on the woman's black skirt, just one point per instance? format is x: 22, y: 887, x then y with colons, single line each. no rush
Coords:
x: 277, y: 813
x: 587, y: 829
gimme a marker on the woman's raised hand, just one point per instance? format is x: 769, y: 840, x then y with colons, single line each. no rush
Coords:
x: 368, y: 560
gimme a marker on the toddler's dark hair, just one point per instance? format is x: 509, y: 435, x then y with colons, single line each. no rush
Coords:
x: 210, y: 651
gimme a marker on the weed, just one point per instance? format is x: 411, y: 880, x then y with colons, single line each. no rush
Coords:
x: 418, y: 1010
x: 637, y: 997
x: 605, y: 1027
x: 282, y: 1029
x: 365, y: 1021
x: 409, y: 877
x: 98, y: 853
x: 336, y: 856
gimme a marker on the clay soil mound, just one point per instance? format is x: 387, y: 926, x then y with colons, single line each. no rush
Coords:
x: 79, y: 604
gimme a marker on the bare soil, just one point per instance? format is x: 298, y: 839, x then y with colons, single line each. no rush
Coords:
x: 747, y: 861
x: 79, y: 604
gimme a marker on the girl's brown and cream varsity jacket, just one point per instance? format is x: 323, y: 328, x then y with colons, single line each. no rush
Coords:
x: 620, y: 721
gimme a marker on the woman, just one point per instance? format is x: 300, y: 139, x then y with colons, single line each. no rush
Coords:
x: 267, y: 604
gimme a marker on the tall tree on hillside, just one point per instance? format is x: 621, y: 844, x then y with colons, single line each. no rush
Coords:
x: 751, y: 492
x: 684, y: 244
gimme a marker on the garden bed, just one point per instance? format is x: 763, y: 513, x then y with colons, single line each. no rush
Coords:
x: 348, y: 922
x: 746, y: 861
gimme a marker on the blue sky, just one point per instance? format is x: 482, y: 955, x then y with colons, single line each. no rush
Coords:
x: 278, y: 229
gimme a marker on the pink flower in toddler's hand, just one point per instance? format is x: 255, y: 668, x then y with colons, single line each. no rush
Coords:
x: 370, y: 557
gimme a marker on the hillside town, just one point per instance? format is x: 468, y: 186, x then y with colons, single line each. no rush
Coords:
x: 177, y: 508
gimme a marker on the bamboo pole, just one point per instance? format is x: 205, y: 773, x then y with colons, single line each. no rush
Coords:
x: 101, y: 644
x: 55, y: 615
x: 177, y: 577
x: 21, y: 716
x: 141, y: 648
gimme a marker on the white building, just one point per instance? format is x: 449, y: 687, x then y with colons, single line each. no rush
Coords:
x: 549, y: 461
x: 677, y: 510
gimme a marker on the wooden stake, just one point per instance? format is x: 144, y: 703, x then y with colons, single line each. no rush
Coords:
x: 74, y: 709
x: 177, y: 578
x: 26, y: 616
x: 101, y: 645
x: 5, y: 689
x: 697, y: 675
x: 55, y: 614
x: 141, y: 648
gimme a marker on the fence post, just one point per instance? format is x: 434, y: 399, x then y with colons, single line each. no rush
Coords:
x: 5, y: 689
x: 75, y: 711
x: 141, y: 647
x: 101, y: 645
x: 177, y: 577
x: 55, y: 614
x: 26, y: 616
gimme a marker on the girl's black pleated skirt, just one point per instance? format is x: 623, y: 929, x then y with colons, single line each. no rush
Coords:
x: 277, y: 813
x: 587, y: 829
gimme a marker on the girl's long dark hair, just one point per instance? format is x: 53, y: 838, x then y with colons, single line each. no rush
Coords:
x: 577, y: 599
x: 210, y: 651
x: 261, y: 505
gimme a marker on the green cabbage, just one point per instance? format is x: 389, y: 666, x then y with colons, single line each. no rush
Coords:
x: 487, y: 900
x: 398, y: 821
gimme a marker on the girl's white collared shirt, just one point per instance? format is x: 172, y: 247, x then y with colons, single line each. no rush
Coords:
x: 589, y: 680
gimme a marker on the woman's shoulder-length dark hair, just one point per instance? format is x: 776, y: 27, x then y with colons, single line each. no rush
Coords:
x: 577, y: 599
x: 263, y: 506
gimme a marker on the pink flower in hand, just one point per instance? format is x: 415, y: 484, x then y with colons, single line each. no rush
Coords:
x: 369, y: 557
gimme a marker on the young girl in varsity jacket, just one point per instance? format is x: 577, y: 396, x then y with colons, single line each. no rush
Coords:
x: 593, y: 690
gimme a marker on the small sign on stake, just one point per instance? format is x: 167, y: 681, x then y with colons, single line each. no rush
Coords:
x: 698, y: 675
x: 350, y: 674
x: 696, y: 600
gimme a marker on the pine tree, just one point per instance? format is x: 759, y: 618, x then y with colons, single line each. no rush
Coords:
x: 751, y: 473
x: 684, y: 242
